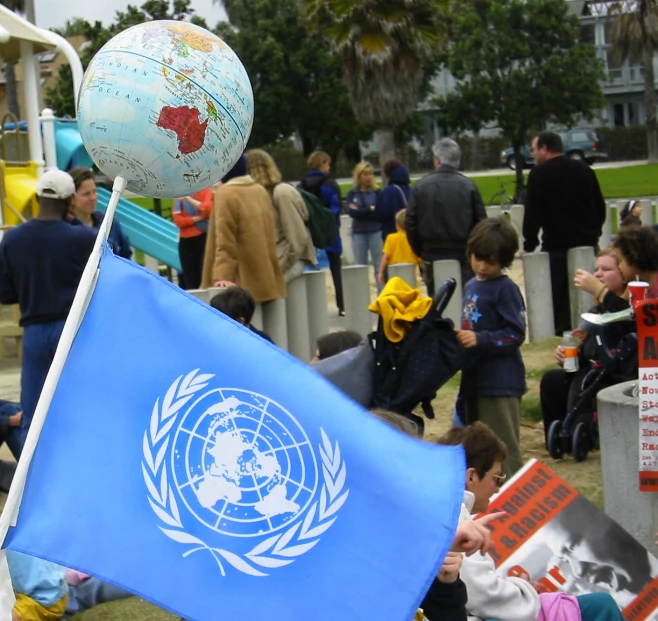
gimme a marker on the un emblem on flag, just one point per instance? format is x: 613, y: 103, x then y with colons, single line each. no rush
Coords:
x: 242, y: 466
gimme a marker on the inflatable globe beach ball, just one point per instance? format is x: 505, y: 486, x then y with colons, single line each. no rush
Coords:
x: 166, y: 105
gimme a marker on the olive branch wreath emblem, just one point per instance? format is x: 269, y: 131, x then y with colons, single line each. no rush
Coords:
x: 276, y: 551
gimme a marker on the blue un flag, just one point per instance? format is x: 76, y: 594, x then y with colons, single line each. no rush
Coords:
x: 190, y: 462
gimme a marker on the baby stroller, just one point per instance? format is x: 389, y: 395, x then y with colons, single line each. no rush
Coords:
x: 578, y: 433
x: 411, y: 371
x: 398, y: 376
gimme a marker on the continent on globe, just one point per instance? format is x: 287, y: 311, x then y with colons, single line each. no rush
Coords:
x: 184, y: 122
x: 192, y: 37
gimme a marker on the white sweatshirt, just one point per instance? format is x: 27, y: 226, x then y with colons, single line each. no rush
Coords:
x: 489, y: 595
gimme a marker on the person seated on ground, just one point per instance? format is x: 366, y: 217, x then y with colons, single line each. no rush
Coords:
x: 40, y: 588
x: 631, y: 214
x: 491, y: 596
x: 238, y: 304
x: 638, y: 248
x: 47, y: 592
x: 85, y: 592
x: 446, y: 598
x: 559, y: 390
x: 335, y: 342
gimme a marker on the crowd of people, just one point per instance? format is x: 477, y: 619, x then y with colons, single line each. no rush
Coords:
x: 251, y: 236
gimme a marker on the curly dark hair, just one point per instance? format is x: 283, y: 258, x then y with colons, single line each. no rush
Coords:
x: 638, y: 246
x: 493, y: 240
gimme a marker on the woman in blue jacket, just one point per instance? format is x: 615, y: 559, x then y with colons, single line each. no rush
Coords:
x: 318, y: 182
x: 394, y: 196
x: 83, y: 210
x: 361, y: 203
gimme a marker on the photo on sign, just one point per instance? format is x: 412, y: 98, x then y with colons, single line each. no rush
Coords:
x: 578, y: 555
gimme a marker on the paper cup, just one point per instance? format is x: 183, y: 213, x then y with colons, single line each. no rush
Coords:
x: 637, y: 292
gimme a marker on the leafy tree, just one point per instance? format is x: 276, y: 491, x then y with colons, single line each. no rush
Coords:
x: 382, y: 46
x: 635, y: 37
x: 73, y: 27
x: 520, y: 65
x: 295, y: 77
x: 60, y: 97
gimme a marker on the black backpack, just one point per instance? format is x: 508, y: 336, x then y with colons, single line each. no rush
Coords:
x: 411, y: 371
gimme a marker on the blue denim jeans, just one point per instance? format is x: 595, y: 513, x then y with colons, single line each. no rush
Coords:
x: 364, y: 243
x: 39, y: 345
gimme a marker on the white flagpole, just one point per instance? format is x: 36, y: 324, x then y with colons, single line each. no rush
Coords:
x: 73, y: 321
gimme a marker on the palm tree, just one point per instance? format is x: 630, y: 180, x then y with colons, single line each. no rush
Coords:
x: 382, y: 45
x: 635, y: 37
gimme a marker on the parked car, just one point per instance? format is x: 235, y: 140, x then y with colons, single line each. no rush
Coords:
x: 579, y: 144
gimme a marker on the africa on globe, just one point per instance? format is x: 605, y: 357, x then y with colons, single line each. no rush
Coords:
x: 166, y: 105
x: 242, y: 464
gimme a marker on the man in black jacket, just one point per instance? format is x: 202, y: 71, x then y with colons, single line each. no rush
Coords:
x: 564, y: 200
x: 443, y: 208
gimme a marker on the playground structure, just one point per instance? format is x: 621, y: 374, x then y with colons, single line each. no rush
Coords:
x: 26, y: 147
x: 148, y: 232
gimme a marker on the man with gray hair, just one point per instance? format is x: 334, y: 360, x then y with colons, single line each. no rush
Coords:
x: 444, y: 206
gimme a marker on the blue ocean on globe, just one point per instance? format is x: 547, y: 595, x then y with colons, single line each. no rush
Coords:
x: 168, y: 106
x: 242, y: 464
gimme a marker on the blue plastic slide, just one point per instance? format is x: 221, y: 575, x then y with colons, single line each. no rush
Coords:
x: 147, y: 232
x: 68, y: 145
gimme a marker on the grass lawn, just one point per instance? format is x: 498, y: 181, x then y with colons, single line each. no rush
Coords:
x: 585, y: 476
x: 627, y: 182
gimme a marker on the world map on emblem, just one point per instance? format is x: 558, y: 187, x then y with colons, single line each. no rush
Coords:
x: 168, y: 106
x: 242, y: 464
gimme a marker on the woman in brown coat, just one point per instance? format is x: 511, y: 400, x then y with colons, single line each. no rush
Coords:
x: 241, y: 247
x: 293, y: 239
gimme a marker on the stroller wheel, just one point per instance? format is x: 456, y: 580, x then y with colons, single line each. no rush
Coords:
x: 554, y: 441
x: 594, y: 435
x: 581, y: 442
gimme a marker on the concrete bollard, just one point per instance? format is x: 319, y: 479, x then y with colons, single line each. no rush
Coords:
x: 516, y: 214
x: 614, y: 217
x: 538, y: 295
x: 579, y: 300
x: 151, y: 263
x: 494, y: 211
x: 406, y: 271
x: 606, y: 230
x: 316, y: 300
x: 356, y: 288
x: 633, y: 510
x: 297, y: 319
x: 450, y: 269
x: 274, y: 322
x: 647, y: 212
x: 346, y: 237
x: 201, y: 294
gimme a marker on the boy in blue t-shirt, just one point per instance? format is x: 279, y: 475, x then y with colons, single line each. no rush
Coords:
x: 493, y: 329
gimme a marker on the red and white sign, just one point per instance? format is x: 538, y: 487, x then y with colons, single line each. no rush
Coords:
x: 646, y: 313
